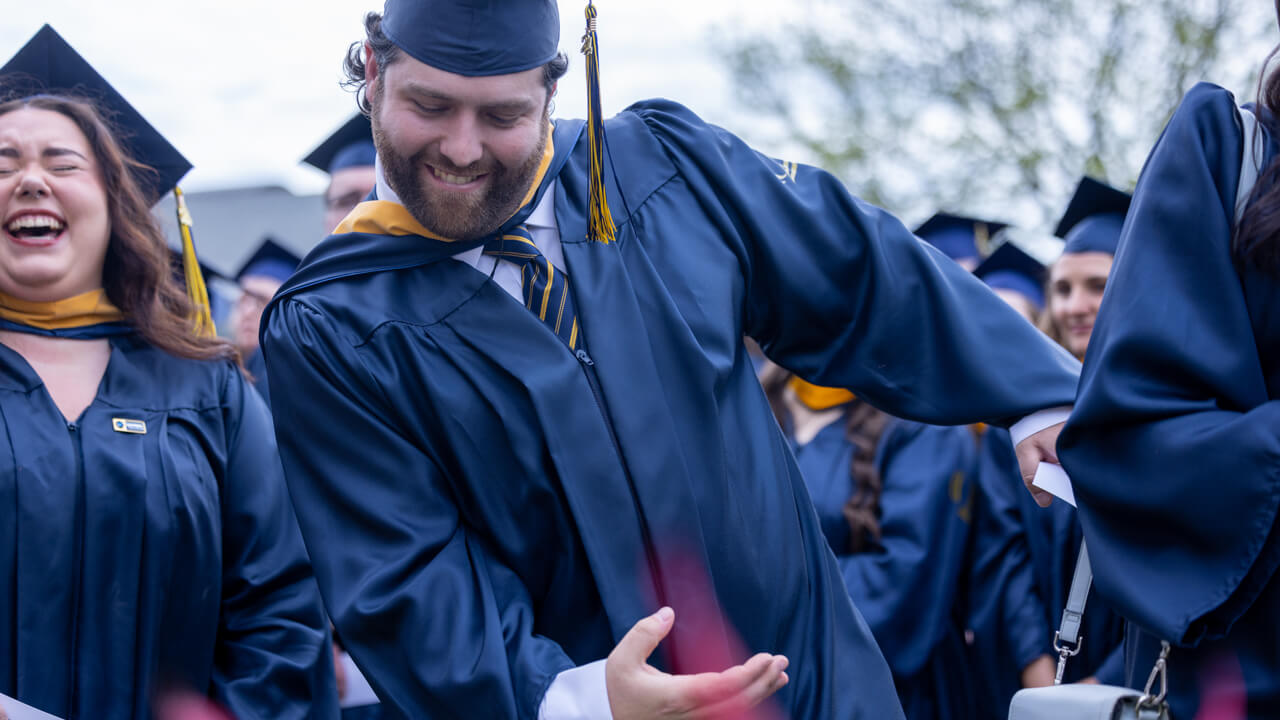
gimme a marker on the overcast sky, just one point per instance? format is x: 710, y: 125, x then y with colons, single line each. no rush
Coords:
x: 246, y: 88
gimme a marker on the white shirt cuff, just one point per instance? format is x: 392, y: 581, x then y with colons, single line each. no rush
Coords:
x: 1037, y: 421
x: 359, y: 692
x: 577, y: 694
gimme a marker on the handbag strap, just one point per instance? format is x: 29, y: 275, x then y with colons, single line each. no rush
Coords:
x: 1067, y: 640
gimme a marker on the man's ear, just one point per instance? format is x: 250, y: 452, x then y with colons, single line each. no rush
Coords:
x: 370, y: 72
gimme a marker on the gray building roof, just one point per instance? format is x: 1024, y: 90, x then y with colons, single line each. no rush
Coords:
x: 228, y: 225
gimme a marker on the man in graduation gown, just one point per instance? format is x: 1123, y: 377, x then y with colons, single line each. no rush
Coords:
x: 499, y: 476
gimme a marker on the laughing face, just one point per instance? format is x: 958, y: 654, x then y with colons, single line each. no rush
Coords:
x: 53, y: 206
x: 461, y: 152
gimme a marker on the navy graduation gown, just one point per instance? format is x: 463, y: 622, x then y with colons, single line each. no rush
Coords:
x: 133, y: 563
x: 257, y: 368
x: 909, y: 587
x: 485, y: 510
x: 1173, y: 448
x: 1007, y: 612
x: 1023, y: 561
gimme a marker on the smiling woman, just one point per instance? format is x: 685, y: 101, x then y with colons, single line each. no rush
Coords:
x: 144, y: 525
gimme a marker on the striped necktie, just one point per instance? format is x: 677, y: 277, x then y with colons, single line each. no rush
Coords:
x: 546, y: 290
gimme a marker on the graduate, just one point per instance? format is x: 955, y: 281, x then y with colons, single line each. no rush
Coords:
x: 1172, y: 446
x: 1016, y: 278
x: 147, y: 543
x: 1007, y: 611
x: 966, y: 240
x: 1090, y: 228
x: 895, y: 502
x: 347, y: 156
x: 259, y: 278
x: 518, y: 420
x: 1014, y: 617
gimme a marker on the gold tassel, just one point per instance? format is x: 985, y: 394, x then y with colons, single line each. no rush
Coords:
x: 196, y: 291
x: 600, y: 223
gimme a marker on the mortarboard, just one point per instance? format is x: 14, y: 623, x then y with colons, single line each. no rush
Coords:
x: 270, y: 259
x: 1093, y: 218
x: 349, y: 146
x: 475, y: 37
x: 47, y: 64
x: 1010, y: 267
x: 958, y: 237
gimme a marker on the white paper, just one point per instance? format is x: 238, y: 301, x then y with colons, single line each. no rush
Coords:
x: 18, y: 711
x: 1053, y: 479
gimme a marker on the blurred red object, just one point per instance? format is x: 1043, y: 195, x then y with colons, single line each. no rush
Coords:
x: 188, y: 706
x: 1222, y: 693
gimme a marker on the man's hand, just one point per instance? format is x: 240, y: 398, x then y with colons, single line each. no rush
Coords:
x: 1037, y: 448
x: 638, y: 691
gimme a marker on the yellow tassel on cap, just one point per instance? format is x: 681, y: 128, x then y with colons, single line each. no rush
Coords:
x: 196, y: 290
x: 599, y: 223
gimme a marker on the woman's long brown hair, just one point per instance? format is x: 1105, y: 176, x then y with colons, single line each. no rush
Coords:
x: 863, y: 427
x: 136, y: 274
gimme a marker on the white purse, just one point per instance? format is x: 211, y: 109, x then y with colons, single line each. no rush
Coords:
x: 1090, y: 702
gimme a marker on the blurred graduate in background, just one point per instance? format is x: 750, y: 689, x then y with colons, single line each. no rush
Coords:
x: 348, y: 157
x: 259, y: 278
x: 894, y: 499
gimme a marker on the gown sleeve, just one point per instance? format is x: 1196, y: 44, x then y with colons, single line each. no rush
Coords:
x: 273, y: 657
x: 842, y: 294
x: 907, y: 588
x: 1173, y: 447
x: 434, y: 620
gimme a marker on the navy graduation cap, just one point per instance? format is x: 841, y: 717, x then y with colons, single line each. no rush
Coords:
x: 958, y: 237
x: 48, y: 65
x: 349, y: 146
x: 1093, y: 218
x: 1010, y: 267
x: 272, y: 260
x: 475, y: 37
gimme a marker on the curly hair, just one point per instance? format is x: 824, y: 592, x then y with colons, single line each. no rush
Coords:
x: 385, y: 53
x: 136, y: 274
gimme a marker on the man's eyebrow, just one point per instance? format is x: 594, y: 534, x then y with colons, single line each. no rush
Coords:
x: 509, y: 106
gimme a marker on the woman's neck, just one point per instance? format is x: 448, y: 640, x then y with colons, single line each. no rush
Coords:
x: 805, y: 422
x: 71, y: 370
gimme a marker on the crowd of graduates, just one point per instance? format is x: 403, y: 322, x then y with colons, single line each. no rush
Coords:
x: 772, y: 431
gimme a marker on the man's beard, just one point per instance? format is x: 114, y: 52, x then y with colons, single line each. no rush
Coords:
x: 458, y: 216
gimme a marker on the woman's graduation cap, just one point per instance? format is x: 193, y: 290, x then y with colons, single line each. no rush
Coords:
x: 48, y: 65
x: 1093, y: 218
x: 957, y: 236
x: 1012, y: 268
x: 349, y: 146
